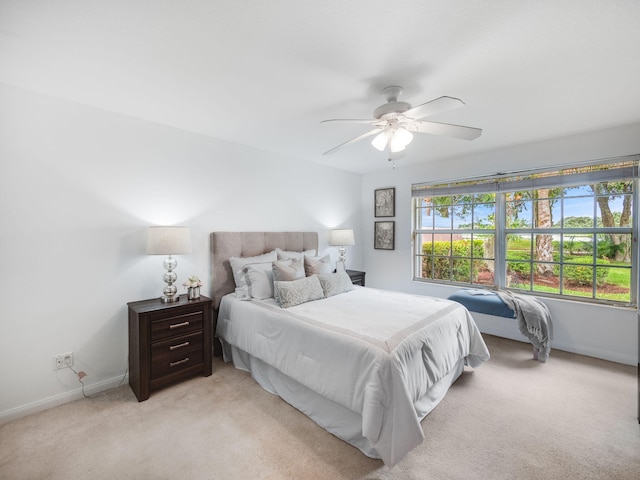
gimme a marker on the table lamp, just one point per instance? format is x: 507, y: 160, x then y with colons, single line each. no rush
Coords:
x: 169, y: 241
x: 341, y: 237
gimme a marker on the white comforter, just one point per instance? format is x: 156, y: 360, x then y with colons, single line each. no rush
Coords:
x: 375, y: 352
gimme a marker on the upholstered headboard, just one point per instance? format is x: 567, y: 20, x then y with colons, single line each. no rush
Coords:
x: 248, y: 244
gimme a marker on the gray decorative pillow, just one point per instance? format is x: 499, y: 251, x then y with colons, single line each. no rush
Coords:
x: 288, y: 270
x: 259, y: 279
x: 287, y: 255
x: 317, y: 265
x: 289, y: 294
x: 238, y: 263
x: 335, y: 283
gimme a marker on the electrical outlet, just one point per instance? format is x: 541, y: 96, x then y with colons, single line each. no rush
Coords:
x: 63, y: 360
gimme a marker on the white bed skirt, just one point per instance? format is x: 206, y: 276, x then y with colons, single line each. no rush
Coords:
x: 333, y: 417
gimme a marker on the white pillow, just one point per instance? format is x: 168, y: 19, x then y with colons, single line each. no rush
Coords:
x: 335, y: 283
x: 259, y: 280
x: 317, y: 265
x: 289, y: 294
x: 288, y: 270
x: 286, y: 255
x: 238, y: 263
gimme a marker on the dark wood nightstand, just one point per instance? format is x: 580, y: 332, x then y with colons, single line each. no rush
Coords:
x: 168, y: 342
x: 357, y: 278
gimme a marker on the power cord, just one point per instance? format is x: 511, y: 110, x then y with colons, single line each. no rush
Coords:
x: 82, y: 374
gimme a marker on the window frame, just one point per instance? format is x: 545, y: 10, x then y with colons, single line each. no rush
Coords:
x: 565, y: 176
x: 471, y: 233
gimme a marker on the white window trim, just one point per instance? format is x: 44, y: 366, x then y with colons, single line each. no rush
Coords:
x: 508, y: 181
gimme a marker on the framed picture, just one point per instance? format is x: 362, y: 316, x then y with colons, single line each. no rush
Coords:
x: 384, y: 235
x: 385, y: 202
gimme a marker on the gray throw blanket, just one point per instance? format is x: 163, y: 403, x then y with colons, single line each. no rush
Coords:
x: 534, y: 320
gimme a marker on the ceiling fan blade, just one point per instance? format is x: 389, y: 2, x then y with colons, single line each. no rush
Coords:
x: 447, y: 129
x: 354, y: 140
x: 438, y: 105
x: 351, y: 120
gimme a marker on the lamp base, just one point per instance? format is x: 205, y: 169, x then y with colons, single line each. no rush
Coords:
x: 342, y: 254
x: 170, y: 290
x: 166, y: 299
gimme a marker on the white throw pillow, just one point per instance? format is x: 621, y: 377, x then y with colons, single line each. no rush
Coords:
x: 259, y: 278
x: 286, y: 255
x: 238, y: 263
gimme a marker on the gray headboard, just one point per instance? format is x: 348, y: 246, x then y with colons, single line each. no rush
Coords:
x: 248, y: 244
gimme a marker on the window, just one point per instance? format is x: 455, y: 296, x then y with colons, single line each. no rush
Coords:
x: 456, y: 237
x: 567, y: 233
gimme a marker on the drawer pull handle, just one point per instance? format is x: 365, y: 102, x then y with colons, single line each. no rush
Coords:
x: 178, y: 325
x: 179, y: 362
x: 175, y: 347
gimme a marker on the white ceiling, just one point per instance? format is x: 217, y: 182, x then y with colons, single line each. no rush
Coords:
x: 264, y: 73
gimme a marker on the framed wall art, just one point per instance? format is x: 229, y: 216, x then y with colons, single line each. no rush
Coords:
x: 385, y: 202
x: 384, y: 235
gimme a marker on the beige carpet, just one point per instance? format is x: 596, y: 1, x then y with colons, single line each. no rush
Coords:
x: 512, y: 418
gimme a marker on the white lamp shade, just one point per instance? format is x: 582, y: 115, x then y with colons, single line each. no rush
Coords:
x: 401, y: 138
x: 342, y: 237
x: 380, y: 141
x: 168, y: 240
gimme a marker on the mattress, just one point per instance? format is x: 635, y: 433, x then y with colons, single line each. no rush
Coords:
x: 367, y: 364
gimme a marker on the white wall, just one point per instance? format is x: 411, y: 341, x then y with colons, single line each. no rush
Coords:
x: 605, y: 332
x: 79, y: 186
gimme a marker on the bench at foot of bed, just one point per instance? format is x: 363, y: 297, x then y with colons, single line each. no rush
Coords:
x: 489, y: 303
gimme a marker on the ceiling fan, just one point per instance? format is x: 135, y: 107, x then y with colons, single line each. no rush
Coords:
x: 395, y: 122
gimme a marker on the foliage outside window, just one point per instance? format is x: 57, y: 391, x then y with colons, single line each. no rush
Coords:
x: 567, y: 233
x: 457, y: 237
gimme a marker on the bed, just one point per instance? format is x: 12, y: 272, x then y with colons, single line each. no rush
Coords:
x: 367, y: 365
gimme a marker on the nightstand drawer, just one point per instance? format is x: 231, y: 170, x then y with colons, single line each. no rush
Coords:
x: 177, y: 325
x: 176, y: 354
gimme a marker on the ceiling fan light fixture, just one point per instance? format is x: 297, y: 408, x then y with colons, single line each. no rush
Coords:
x: 395, y: 122
x: 401, y: 138
x: 380, y: 141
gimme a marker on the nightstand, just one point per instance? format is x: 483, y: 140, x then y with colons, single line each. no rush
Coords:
x: 357, y: 278
x: 168, y: 342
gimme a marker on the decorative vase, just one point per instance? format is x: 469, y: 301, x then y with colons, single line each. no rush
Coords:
x: 193, y: 293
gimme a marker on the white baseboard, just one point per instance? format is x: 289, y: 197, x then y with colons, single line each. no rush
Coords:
x: 61, y: 399
x: 616, y: 357
x: 508, y: 328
